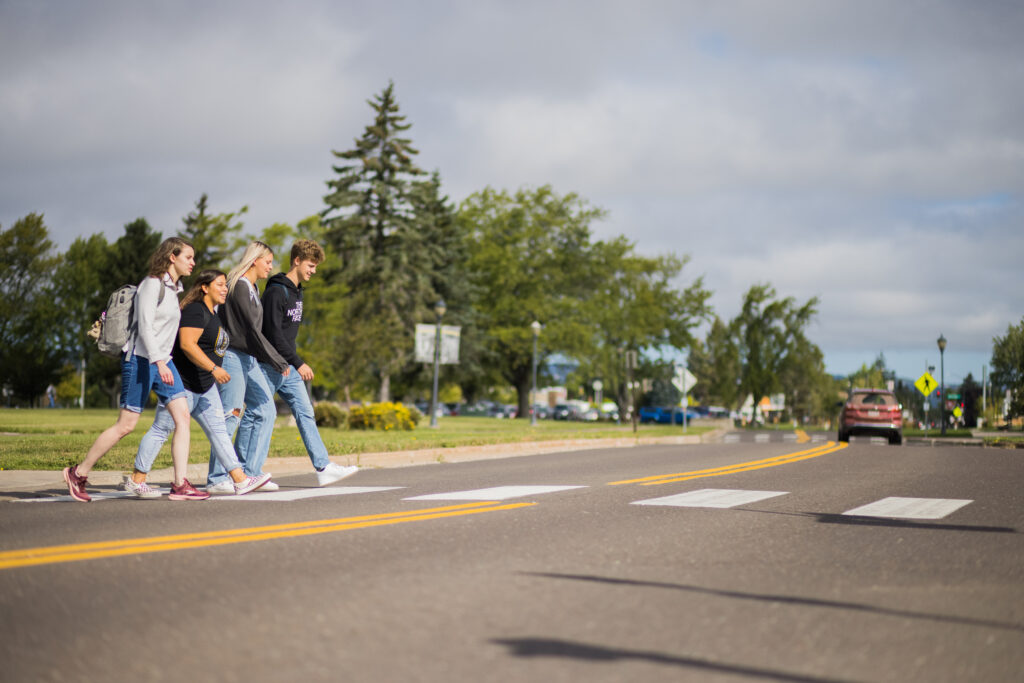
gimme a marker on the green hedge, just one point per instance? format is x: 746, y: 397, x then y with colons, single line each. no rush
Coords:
x: 330, y: 415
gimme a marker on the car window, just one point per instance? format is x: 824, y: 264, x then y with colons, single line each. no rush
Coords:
x: 874, y: 399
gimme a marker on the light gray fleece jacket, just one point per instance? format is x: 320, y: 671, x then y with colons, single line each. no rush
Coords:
x: 242, y: 316
x: 157, y: 325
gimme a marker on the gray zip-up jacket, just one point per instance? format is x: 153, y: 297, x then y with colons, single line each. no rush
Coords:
x: 242, y: 316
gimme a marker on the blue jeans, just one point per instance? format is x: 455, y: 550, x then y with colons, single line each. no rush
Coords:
x: 293, y: 391
x: 248, y: 388
x: 139, y: 376
x: 207, y: 411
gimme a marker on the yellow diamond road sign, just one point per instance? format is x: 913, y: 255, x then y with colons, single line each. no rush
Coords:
x: 926, y: 384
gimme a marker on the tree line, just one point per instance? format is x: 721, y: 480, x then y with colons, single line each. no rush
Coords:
x: 396, y: 245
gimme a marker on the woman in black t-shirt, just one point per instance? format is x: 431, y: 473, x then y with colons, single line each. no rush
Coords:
x: 198, y: 354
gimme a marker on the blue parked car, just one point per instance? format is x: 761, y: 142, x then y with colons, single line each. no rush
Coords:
x: 663, y: 415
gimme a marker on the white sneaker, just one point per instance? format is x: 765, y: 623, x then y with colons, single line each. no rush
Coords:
x: 334, y: 472
x: 270, y: 485
x: 251, y: 484
x: 222, y: 488
x: 142, y: 490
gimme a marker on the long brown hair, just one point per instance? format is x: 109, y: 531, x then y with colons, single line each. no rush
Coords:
x: 160, y: 263
x: 204, y: 279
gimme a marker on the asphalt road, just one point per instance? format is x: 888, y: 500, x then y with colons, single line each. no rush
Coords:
x: 400, y: 575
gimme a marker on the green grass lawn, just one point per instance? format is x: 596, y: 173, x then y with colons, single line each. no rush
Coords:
x: 52, y: 439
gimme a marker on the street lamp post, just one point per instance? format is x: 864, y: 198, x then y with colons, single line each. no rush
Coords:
x: 439, y: 309
x: 535, y: 328
x: 942, y: 381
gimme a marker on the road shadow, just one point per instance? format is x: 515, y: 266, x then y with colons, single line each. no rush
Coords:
x: 566, y: 649
x: 857, y: 520
x: 788, y: 599
x: 864, y: 520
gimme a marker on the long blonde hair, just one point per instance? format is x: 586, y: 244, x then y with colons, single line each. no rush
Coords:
x: 255, y: 251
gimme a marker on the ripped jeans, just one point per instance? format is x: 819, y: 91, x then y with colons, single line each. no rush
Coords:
x: 247, y: 388
x: 207, y: 411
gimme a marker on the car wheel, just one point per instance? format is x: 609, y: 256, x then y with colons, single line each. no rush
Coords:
x: 895, y: 439
x: 843, y: 436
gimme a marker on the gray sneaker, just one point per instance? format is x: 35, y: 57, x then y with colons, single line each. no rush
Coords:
x: 334, y: 472
x: 226, y: 487
x: 142, y: 490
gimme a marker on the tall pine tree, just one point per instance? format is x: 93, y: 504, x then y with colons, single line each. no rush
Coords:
x: 372, y: 223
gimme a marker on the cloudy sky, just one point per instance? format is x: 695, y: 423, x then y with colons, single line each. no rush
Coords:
x: 867, y: 153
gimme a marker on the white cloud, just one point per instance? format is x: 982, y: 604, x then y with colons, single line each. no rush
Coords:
x: 805, y: 144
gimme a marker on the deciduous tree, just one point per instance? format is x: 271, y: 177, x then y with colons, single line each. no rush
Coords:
x: 1008, y: 366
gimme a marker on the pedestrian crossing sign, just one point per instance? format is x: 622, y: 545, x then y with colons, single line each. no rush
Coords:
x: 926, y: 384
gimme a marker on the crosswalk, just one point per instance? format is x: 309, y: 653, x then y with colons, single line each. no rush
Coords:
x: 891, y: 507
x: 790, y: 437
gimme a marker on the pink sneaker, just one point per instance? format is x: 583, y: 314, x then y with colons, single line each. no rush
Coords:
x: 76, y: 484
x: 187, y: 492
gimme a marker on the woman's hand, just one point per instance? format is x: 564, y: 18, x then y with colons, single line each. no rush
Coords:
x: 220, y: 375
x: 166, y: 376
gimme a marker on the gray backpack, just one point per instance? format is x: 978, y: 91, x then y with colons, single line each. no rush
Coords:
x: 117, y: 324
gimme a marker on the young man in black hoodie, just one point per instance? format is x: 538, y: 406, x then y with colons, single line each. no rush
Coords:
x: 282, y: 314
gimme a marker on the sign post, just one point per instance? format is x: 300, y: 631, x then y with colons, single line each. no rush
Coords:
x: 683, y: 380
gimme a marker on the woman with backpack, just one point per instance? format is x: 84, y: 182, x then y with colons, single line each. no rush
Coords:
x: 198, y: 354
x: 242, y: 317
x: 146, y: 365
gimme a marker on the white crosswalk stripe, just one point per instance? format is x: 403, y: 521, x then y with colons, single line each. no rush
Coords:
x: 495, y: 493
x: 301, y: 494
x: 909, y: 508
x: 712, y: 498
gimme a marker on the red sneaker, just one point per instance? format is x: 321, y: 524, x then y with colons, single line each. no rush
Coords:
x: 76, y: 484
x: 187, y: 492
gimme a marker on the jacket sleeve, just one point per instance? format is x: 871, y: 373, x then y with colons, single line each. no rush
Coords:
x: 258, y: 345
x: 275, y: 305
x: 146, y: 298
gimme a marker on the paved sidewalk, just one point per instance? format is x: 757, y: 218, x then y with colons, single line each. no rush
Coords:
x: 16, y: 483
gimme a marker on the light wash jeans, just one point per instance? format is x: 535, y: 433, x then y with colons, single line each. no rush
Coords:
x: 247, y: 388
x: 207, y: 411
x: 293, y: 391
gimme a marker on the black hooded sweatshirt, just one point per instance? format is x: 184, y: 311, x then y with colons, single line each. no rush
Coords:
x: 282, y: 315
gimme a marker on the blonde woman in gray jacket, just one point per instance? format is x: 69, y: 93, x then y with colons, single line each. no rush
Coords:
x: 146, y: 365
x: 242, y: 317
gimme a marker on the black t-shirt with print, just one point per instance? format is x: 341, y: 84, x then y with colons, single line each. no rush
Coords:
x: 213, y: 342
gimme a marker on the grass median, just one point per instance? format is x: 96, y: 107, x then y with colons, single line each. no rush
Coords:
x: 50, y: 439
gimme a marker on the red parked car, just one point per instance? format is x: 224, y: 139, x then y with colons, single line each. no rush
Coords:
x: 872, y: 412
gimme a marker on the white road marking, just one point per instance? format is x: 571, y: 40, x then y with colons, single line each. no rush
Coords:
x: 788, y: 437
x: 301, y: 494
x: 712, y: 498
x: 496, y: 493
x: 909, y: 508
x: 731, y: 438
x: 255, y: 495
x: 96, y: 497
x: 762, y: 438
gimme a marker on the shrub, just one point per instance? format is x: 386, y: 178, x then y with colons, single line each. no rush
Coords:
x: 383, y: 416
x: 415, y: 415
x: 330, y: 415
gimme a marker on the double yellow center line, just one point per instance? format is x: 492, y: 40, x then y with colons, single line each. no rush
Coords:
x: 157, y: 544
x: 828, y: 447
